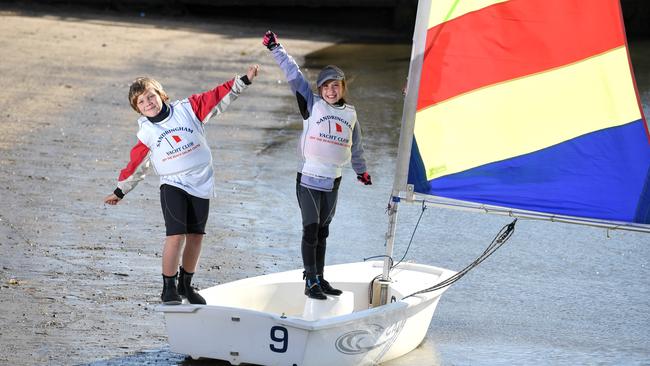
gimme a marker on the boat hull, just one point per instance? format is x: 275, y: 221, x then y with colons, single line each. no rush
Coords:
x: 267, y: 320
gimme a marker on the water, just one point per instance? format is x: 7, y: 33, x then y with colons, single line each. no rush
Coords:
x: 554, y: 294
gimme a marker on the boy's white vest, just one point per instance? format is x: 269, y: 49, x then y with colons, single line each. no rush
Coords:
x: 327, y: 139
x: 178, y: 143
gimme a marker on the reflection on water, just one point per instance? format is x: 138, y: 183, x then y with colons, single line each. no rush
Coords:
x: 555, y: 293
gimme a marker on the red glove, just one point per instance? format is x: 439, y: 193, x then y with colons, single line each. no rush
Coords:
x: 364, y: 178
x: 270, y: 40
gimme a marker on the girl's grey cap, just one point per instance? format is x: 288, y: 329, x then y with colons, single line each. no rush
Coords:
x: 329, y: 72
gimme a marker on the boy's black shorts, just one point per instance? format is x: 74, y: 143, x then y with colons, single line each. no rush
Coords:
x: 184, y: 213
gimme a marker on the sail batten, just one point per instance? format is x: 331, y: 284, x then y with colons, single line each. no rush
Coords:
x: 530, y: 105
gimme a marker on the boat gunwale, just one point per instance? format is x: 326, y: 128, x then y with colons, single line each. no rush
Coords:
x: 410, y: 305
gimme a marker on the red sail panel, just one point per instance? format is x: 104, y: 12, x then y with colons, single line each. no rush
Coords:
x: 513, y: 39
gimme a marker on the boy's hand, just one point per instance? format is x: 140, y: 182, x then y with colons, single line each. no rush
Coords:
x: 252, y: 72
x: 364, y: 178
x: 112, y: 199
x: 270, y: 40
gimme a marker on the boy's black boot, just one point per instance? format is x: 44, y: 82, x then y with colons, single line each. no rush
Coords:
x: 185, y: 288
x: 326, y: 287
x: 169, y: 294
x: 312, y: 287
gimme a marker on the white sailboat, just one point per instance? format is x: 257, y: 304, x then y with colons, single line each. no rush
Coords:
x: 267, y: 320
x: 506, y: 112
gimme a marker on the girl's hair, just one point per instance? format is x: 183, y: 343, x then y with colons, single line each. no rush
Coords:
x: 140, y: 85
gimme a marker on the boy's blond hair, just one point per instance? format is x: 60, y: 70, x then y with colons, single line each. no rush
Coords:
x: 140, y: 85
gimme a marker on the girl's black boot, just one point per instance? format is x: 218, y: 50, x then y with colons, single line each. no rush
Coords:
x: 312, y: 287
x: 326, y: 287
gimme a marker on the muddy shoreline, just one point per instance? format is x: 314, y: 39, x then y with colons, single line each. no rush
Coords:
x: 79, y: 280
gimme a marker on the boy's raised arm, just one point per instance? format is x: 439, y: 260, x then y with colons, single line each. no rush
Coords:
x: 215, y: 101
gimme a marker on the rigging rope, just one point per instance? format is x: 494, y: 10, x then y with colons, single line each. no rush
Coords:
x: 501, y: 238
x: 424, y: 207
x: 392, y: 264
x: 372, y: 282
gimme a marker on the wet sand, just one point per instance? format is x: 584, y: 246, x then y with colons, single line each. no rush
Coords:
x: 79, y: 280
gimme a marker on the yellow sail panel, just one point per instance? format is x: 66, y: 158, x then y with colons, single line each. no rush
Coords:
x: 444, y: 10
x: 526, y: 114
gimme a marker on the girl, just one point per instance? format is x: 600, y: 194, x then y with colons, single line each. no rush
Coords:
x: 331, y: 138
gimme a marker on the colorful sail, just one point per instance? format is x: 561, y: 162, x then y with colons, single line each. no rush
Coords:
x: 531, y: 105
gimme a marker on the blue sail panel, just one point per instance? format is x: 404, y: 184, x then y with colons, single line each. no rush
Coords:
x: 601, y: 175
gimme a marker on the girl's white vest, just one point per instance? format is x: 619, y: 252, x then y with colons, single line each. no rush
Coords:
x: 178, y: 143
x: 327, y: 139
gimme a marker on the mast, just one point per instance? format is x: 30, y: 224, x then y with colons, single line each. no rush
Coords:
x: 408, y: 122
